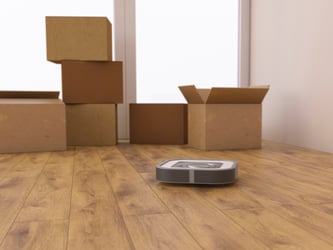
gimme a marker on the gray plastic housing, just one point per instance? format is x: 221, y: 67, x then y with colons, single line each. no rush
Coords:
x: 189, y: 171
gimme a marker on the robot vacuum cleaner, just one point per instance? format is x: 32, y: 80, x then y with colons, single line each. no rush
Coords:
x: 197, y: 171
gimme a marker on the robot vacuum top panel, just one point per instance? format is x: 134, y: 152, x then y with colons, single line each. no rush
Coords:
x: 197, y: 171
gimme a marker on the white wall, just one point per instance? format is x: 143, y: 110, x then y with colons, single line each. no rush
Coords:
x: 292, y: 51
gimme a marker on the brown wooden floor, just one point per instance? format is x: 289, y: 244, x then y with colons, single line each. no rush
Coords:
x: 108, y: 198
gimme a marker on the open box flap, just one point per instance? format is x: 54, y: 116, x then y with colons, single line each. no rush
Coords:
x: 254, y: 95
x: 30, y: 94
x: 191, y: 94
x: 204, y: 93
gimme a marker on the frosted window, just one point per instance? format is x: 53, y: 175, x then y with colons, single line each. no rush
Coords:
x: 185, y: 42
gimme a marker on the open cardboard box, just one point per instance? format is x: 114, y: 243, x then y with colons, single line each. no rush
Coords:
x: 224, y: 118
x: 31, y: 121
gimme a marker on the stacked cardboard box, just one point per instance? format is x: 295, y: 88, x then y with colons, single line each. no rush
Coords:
x: 92, y: 84
x: 78, y: 38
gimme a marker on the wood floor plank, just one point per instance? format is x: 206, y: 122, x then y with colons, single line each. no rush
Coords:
x: 37, y: 235
x: 134, y: 196
x: 315, y: 219
x: 212, y: 228
x: 159, y: 231
x: 295, y: 167
x: 278, y: 179
x: 149, y: 223
x: 310, y: 175
x: 290, y: 158
x: 132, y: 155
x: 271, y: 192
x: 108, y: 198
x: 326, y: 207
x: 275, y: 231
x: 95, y: 218
x: 229, y: 197
x: 266, y: 194
x: 158, y: 153
x: 50, y: 197
x: 316, y: 159
x: 15, y: 188
x: 293, y: 189
x: 7, y: 161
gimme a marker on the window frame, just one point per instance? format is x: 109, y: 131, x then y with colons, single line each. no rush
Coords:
x: 125, y: 50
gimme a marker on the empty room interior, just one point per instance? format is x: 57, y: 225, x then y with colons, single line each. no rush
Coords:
x: 131, y: 124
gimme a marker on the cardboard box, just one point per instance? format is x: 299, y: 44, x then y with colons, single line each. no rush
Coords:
x: 224, y: 118
x: 91, y: 124
x: 92, y: 82
x: 158, y: 124
x: 31, y: 124
x: 78, y: 38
